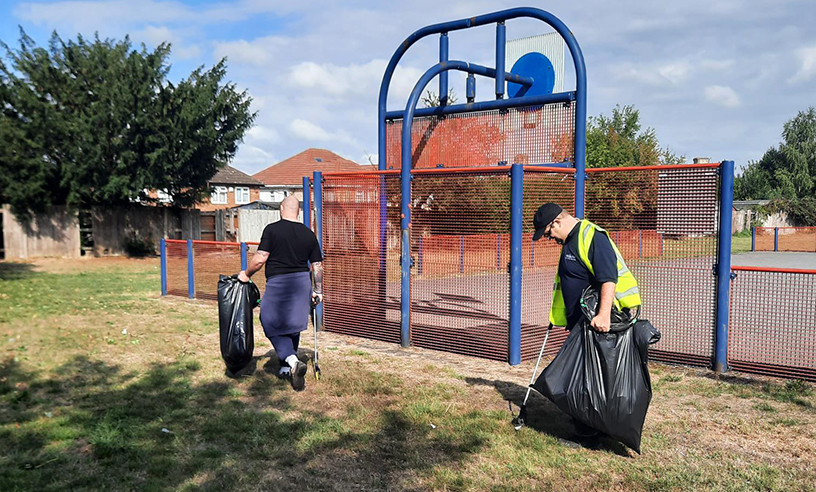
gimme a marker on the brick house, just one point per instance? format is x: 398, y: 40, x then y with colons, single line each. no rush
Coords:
x: 230, y: 188
x: 286, y: 177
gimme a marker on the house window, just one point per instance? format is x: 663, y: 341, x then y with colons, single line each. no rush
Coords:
x: 219, y: 195
x: 241, y: 195
x: 164, y: 196
x: 318, y: 159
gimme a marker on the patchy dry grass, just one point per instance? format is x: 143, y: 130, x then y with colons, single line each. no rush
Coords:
x: 104, y: 385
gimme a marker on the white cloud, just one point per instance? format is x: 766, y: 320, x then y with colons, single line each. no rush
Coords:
x: 310, y: 131
x: 155, y: 35
x: 717, y: 65
x: 723, y: 96
x: 675, y: 72
x: 807, y: 65
x: 261, y: 52
x: 263, y: 134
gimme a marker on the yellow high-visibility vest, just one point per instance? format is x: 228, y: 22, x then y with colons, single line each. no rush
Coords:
x: 627, y: 294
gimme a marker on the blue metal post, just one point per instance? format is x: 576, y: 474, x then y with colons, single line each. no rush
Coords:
x: 532, y: 252
x: 471, y: 88
x: 163, y: 249
x: 461, y: 254
x: 318, y: 204
x: 419, y: 257
x: 244, y: 261
x: 307, y: 202
x: 753, y: 239
x: 190, y: 270
x: 516, y: 214
x: 443, y: 77
x: 724, y: 266
x: 498, y: 252
x: 501, y: 36
x: 776, y: 239
x: 640, y: 243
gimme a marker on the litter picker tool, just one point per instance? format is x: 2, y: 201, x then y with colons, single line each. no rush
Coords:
x: 315, y: 302
x: 520, y: 419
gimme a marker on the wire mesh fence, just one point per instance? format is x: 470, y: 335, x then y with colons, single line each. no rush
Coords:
x: 664, y: 222
x: 794, y: 239
x: 771, y: 322
x: 211, y: 260
x: 361, y: 248
x: 540, y: 259
x: 530, y: 135
x: 177, y: 267
x: 459, y: 286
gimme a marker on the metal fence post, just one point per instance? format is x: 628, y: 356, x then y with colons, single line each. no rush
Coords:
x: 318, y: 204
x: 501, y: 36
x: 163, y: 249
x: 776, y: 239
x: 753, y: 239
x: 307, y: 205
x: 190, y: 270
x: 244, y: 261
x: 419, y: 257
x: 461, y: 254
x: 498, y: 252
x: 640, y: 243
x: 724, y: 266
x: 516, y: 215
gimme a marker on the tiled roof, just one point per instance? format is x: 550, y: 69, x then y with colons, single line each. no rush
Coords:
x: 292, y: 170
x: 228, y: 175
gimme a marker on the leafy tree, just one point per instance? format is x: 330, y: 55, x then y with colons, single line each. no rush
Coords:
x: 97, y: 122
x: 787, y: 172
x: 623, y: 200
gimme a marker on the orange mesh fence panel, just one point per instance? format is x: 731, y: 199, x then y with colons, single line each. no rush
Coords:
x: 530, y: 135
x: 540, y: 260
x: 459, y: 298
x: 764, y: 239
x: 797, y: 239
x: 212, y: 259
x: 664, y: 222
x: 361, y: 249
x: 771, y: 329
x: 176, y: 267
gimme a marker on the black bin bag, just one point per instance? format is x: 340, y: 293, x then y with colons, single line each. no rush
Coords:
x: 602, y: 379
x: 236, y: 300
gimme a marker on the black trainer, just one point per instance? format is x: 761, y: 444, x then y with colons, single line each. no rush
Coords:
x: 298, y: 376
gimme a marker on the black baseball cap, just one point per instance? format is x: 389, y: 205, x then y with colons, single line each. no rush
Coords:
x: 543, y: 216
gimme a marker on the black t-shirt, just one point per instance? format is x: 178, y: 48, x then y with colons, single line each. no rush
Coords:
x: 291, y: 245
x: 575, y: 276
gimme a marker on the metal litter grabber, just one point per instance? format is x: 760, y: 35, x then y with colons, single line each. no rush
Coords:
x: 520, y: 419
x: 314, y: 303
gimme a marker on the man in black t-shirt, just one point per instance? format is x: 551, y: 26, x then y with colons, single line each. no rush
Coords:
x: 287, y: 249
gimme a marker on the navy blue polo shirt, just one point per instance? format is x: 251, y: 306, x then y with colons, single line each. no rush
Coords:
x: 575, y: 276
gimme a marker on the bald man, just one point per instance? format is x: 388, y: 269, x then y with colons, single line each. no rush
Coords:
x: 287, y: 248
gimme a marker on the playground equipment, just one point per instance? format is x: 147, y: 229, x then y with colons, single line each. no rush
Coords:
x: 435, y: 248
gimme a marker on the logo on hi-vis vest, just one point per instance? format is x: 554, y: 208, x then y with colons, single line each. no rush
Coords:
x: 570, y: 257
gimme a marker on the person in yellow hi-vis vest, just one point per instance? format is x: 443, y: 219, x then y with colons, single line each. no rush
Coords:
x: 588, y: 257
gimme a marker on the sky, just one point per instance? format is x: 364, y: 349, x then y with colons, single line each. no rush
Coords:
x: 715, y: 79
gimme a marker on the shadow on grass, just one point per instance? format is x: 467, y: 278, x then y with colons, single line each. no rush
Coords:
x: 542, y: 415
x: 10, y: 270
x: 89, y: 425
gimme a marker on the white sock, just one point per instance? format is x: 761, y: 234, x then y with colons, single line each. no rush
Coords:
x: 292, y: 360
x: 284, y: 370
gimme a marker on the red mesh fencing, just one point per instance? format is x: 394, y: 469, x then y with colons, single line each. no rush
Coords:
x: 540, y: 260
x: 532, y: 135
x: 664, y: 221
x: 210, y: 260
x: 459, y: 287
x: 176, y: 267
x: 772, y: 322
x: 802, y: 239
x: 361, y: 246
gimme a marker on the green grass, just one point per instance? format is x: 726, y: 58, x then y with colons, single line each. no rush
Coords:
x: 84, y: 406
